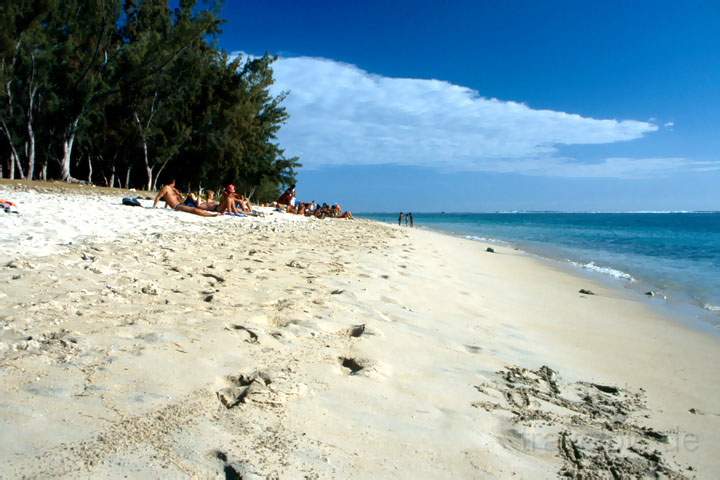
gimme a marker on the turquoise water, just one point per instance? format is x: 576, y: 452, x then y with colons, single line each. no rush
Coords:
x: 674, y: 254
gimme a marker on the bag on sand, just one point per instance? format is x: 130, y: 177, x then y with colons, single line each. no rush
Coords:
x: 131, y: 202
x: 8, y: 206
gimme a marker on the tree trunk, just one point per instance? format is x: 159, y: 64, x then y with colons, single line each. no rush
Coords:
x: 44, y: 171
x: 67, y: 153
x: 127, y: 176
x: 31, y: 137
x: 67, y: 156
x: 143, y: 135
x: 157, y: 175
x: 30, y: 145
x: 89, y: 169
x: 150, y: 178
x: 148, y: 168
x: 14, y: 157
x: 19, y: 166
x: 112, y: 177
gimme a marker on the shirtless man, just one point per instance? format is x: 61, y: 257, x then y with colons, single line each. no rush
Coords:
x: 230, y: 201
x: 170, y: 195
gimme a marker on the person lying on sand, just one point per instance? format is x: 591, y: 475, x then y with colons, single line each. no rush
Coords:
x: 337, y: 212
x: 171, y: 196
x: 334, y: 211
x: 211, y: 203
x: 191, y: 200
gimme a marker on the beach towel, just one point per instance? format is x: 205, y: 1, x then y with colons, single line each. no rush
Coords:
x: 131, y: 202
x: 232, y: 214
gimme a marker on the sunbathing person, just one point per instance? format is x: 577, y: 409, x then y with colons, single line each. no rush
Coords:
x: 233, y: 203
x: 191, y: 200
x: 211, y: 203
x: 243, y: 203
x: 172, y: 197
x: 287, y: 199
x: 339, y: 213
x: 227, y: 202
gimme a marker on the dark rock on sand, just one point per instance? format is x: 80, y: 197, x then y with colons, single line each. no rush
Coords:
x: 490, y: 250
x: 585, y: 291
x: 356, y: 330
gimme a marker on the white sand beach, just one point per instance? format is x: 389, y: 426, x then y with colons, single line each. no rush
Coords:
x: 141, y: 343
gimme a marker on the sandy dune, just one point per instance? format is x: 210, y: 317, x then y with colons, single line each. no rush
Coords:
x: 331, y: 349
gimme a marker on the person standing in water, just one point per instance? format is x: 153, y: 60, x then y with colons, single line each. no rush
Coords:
x: 412, y: 219
x: 400, y: 219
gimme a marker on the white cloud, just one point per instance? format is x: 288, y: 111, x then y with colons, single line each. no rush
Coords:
x: 669, y: 124
x: 619, y: 167
x: 342, y: 115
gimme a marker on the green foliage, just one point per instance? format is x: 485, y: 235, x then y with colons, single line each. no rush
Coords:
x: 136, y: 90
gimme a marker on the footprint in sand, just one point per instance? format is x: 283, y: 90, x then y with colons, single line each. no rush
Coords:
x: 241, y: 387
x: 389, y: 300
x: 231, y: 470
x: 584, y: 421
x: 250, y: 336
x: 353, y: 366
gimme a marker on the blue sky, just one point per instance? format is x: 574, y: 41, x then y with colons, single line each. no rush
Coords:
x: 477, y: 106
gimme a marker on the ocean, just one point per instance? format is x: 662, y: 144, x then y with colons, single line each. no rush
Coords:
x: 674, y: 254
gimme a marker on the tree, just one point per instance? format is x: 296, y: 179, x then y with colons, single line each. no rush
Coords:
x: 109, y: 90
x: 158, y: 103
x: 84, y: 44
x: 22, y: 47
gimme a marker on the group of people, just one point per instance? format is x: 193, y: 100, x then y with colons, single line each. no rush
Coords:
x: 408, y: 218
x: 234, y: 203
x: 288, y: 202
x: 231, y: 202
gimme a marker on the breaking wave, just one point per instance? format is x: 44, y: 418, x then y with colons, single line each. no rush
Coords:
x: 605, y: 270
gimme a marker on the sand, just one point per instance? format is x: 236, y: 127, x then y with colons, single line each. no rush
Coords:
x: 156, y: 345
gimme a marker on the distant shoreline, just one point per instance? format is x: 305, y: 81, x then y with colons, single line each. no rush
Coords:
x: 701, y: 314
